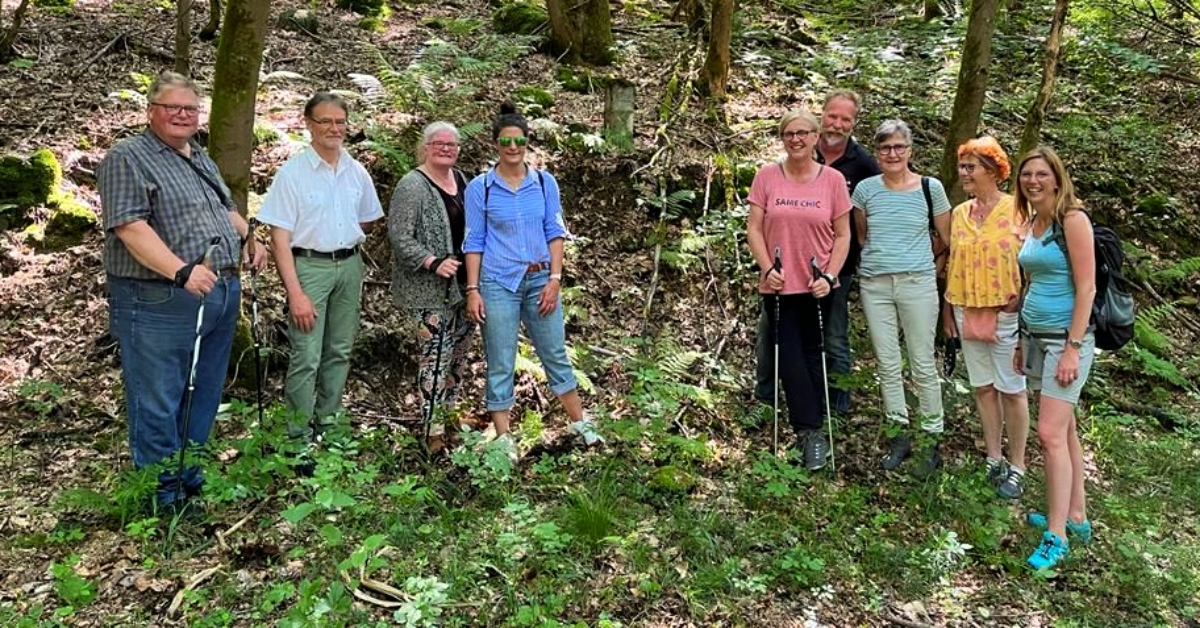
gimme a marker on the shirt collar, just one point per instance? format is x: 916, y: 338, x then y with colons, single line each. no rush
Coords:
x: 492, y: 176
x: 161, y: 145
x: 315, y: 161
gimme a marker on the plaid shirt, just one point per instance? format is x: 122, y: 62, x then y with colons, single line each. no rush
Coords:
x: 140, y: 179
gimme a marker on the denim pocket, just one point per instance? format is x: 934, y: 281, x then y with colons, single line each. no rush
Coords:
x: 153, y: 293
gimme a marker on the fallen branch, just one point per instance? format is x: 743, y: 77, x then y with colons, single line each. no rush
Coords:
x: 1180, y: 315
x: 235, y: 527
x: 195, y: 582
x: 103, y: 51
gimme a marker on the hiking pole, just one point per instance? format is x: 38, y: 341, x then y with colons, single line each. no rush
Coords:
x: 816, y: 272
x: 777, y: 267
x: 258, y: 370
x: 191, y: 387
x: 437, y: 364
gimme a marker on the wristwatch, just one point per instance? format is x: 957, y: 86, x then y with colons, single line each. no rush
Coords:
x: 1078, y: 344
x: 829, y: 279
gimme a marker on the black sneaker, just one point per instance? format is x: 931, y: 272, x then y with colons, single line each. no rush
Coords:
x: 816, y: 449
x: 900, y: 447
x: 930, y: 460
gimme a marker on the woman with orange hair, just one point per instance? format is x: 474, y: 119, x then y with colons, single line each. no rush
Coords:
x: 984, y: 288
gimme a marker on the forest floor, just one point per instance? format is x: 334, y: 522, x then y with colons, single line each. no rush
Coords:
x: 684, y: 518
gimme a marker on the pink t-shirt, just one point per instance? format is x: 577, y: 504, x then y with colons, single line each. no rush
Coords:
x: 799, y: 220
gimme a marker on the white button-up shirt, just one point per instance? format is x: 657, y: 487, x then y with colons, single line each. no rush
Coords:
x: 321, y: 205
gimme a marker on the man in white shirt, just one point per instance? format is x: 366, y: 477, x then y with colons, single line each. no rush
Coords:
x: 320, y: 206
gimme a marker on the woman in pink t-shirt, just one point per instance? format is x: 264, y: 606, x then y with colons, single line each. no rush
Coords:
x: 801, y: 209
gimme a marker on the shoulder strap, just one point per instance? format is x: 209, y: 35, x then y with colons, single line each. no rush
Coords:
x: 542, y: 184
x: 205, y: 178
x: 928, y: 198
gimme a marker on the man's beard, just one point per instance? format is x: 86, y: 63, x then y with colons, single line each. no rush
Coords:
x: 834, y: 139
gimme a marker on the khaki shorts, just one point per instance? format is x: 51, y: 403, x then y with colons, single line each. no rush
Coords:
x: 1041, y: 365
x: 991, y: 364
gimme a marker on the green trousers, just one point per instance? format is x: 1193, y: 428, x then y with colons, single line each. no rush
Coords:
x: 320, y: 360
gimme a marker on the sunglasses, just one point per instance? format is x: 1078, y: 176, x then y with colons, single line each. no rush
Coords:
x: 509, y: 141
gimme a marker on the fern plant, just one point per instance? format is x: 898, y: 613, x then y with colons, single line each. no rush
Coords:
x: 1146, y: 332
x: 1178, y: 272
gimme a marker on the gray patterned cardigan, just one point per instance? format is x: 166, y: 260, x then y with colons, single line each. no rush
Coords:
x: 417, y: 228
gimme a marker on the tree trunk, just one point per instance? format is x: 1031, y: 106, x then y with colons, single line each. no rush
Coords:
x: 716, y: 64
x: 9, y: 37
x: 183, y: 37
x: 620, y: 99
x: 972, y: 87
x: 932, y: 10
x: 235, y: 86
x: 1037, y: 111
x: 693, y: 13
x: 209, y: 32
x: 581, y: 30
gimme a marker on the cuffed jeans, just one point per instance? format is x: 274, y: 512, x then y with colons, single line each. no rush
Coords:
x: 320, y: 361
x: 154, y: 323
x: 504, y: 312
x: 837, y: 348
x: 905, y: 302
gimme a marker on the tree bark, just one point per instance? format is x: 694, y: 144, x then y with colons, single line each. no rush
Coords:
x: 235, y: 87
x: 581, y: 30
x: 716, y: 64
x: 932, y: 10
x: 183, y: 36
x: 9, y: 37
x: 972, y: 87
x: 620, y: 99
x: 209, y: 32
x: 1037, y: 111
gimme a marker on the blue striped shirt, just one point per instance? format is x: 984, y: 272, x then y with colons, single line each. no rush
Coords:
x: 897, y: 227
x: 515, y: 228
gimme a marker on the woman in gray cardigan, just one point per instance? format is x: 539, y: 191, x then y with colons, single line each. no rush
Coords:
x: 426, y: 225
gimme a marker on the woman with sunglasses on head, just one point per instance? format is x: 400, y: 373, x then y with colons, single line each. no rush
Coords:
x: 514, y: 259
x: 801, y: 209
x: 898, y: 284
x: 1058, y: 344
x: 426, y: 226
x: 983, y: 288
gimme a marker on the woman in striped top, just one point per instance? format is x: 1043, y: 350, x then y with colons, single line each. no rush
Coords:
x: 898, y: 285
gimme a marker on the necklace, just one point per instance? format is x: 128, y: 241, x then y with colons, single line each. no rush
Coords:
x: 981, y: 208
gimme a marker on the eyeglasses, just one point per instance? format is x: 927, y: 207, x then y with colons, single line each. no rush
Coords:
x: 798, y: 135
x: 509, y: 141
x: 175, y: 110
x: 328, y: 122
x: 440, y: 145
x: 893, y: 149
x: 967, y: 168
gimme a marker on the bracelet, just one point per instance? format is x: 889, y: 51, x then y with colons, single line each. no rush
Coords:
x: 557, y: 276
x: 471, y: 288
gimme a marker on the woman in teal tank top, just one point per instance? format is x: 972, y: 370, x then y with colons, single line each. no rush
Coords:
x: 1057, y: 346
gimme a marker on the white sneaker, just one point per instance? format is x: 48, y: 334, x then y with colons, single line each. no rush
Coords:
x: 586, y: 429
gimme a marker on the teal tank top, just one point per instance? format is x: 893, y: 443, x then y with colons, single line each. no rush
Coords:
x: 1050, y: 302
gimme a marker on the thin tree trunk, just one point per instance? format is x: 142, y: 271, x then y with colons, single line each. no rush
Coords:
x: 716, y: 64
x: 1037, y: 111
x: 9, y: 37
x: 932, y: 10
x: 972, y: 87
x: 235, y: 87
x: 183, y: 37
x: 620, y: 100
x: 209, y: 32
x: 581, y: 30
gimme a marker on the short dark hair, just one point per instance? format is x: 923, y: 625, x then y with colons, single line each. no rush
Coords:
x: 321, y: 98
x: 509, y: 116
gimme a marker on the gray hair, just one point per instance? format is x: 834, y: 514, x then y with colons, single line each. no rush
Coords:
x: 320, y: 98
x: 171, y: 80
x: 893, y: 127
x: 430, y: 130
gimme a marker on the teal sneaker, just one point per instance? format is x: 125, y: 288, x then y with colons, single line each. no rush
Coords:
x: 1081, y: 531
x: 1050, y: 553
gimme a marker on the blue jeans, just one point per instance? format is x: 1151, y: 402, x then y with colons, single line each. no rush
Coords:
x: 154, y: 323
x: 505, y: 311
x: 837, y: 347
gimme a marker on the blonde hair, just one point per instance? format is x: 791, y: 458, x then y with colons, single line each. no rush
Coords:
x: 1064, y: 190
x: 798, y: 114
x: 989, y: 152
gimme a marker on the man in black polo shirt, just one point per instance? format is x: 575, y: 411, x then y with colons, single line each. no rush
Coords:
x: 837, y: 149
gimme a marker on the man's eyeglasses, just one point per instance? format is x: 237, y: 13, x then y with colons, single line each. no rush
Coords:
x: 798, y: 135
x: 509, y: 141
x: 893, y: 149
x: 175, y: 110
x: 439, y: 145
x: 328, y: 122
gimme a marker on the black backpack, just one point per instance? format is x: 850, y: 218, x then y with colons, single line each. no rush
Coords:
x: 1113, y: 310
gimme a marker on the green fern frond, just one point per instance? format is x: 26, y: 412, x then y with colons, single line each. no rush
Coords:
x: 1156, y: 314
x: 1178, y: 272
x: 1159, y: 368
x: 679, y: 365
x: 468, y: 131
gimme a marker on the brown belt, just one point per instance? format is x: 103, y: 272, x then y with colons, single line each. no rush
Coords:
x: 538, y: 266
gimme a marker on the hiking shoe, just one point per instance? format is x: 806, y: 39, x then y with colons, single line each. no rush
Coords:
x: 930, y: 460
x: 1081, y: 531
x: 1050, y: 553
x: 899, y: 448
x: 997, y: 473
x: 585, y: 428
x: 816, y: 449
x: 1013, y: 485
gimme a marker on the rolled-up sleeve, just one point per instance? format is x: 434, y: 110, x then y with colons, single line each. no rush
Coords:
x: 124, y: 192
x: 476, y: 232
x: 552, y: 222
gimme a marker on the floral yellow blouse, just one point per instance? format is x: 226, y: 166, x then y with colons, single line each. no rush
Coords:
x: 983, y: 269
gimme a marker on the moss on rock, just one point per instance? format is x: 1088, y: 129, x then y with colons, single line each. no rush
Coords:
x: 520, y: 18
x: 69, y: 222
x: 672, y: 479
x: 25, y: 184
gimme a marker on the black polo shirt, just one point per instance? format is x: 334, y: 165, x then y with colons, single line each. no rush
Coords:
x: 855, y: 164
